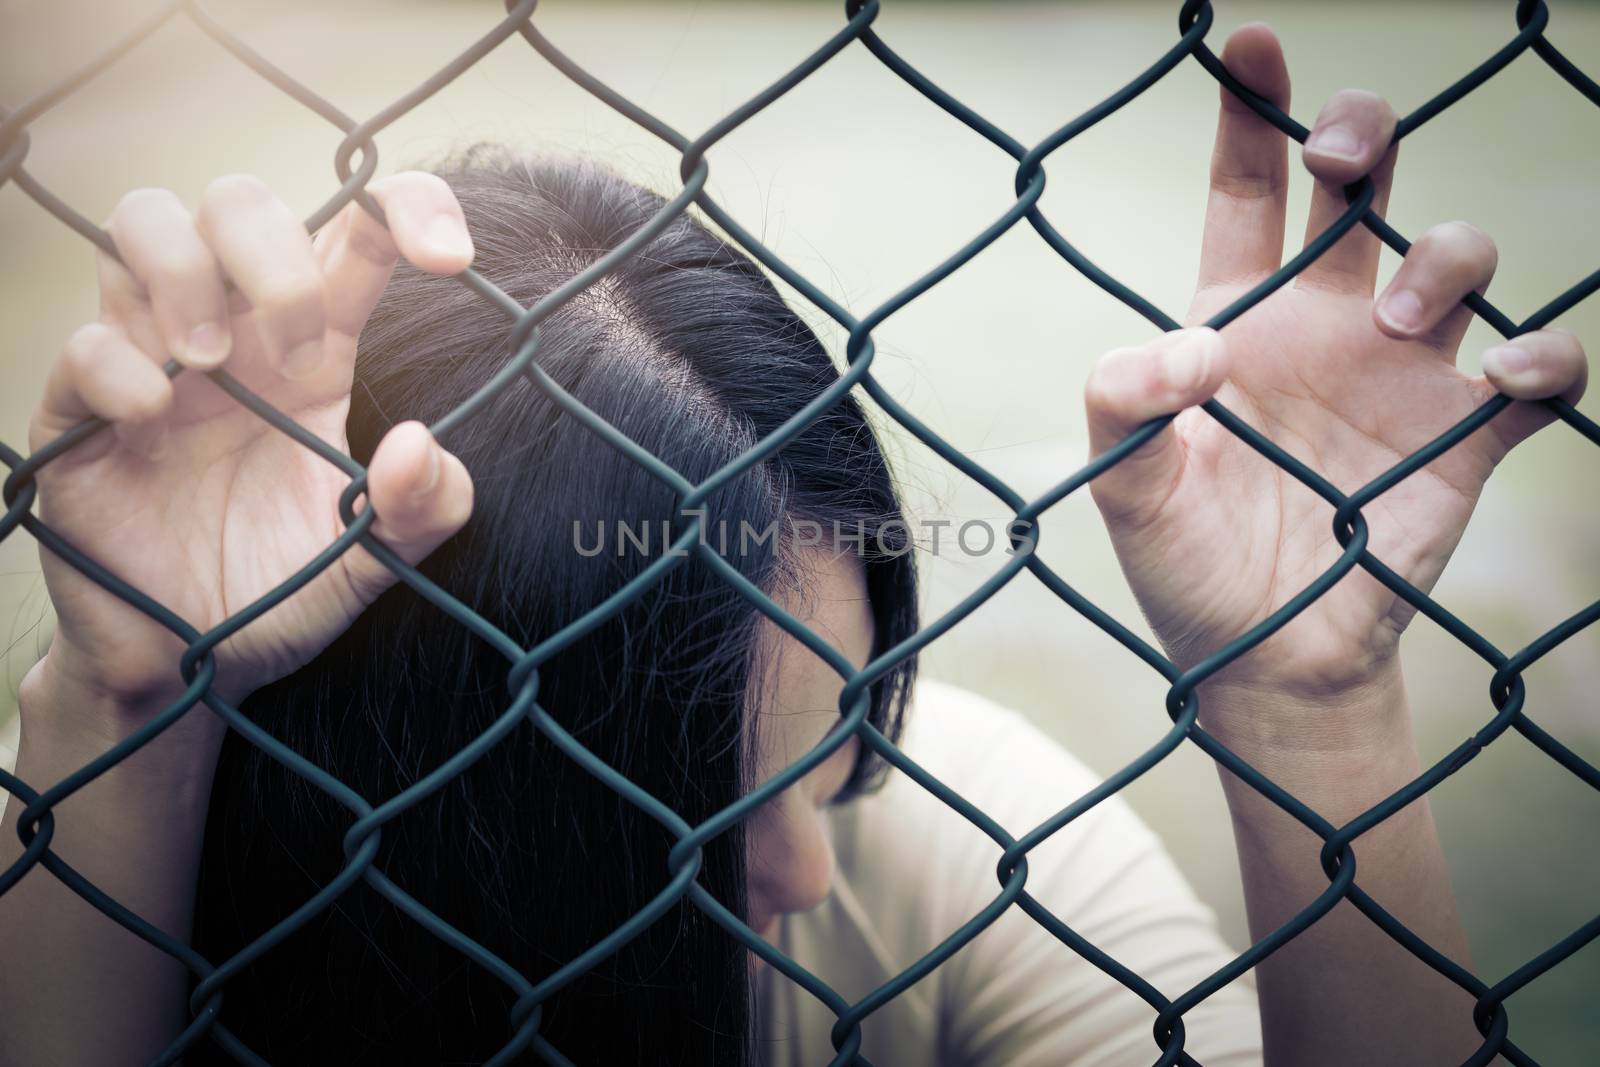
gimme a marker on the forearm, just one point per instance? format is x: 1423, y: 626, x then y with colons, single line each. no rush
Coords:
x: 1343, y: 991
x: 76, y: 987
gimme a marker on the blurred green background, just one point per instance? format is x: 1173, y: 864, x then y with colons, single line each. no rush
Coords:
x: 863, y: 185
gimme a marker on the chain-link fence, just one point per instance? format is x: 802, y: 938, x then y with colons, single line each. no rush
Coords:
x: 355, y: 164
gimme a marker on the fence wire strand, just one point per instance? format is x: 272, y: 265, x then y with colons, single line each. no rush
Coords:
x: 355, y: 164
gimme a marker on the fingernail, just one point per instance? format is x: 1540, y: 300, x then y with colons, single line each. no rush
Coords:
x: 449, y: 237
x: 1337, y: 142
x: 208, y: 345
x: 1402, y: 310
x: 1187, y: 361
x: 301, y: 360
x: 1506, y: 360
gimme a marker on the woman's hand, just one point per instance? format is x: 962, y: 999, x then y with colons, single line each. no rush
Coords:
x: 190, y: 497
x: 1212, y: 536
x: 195, y: 501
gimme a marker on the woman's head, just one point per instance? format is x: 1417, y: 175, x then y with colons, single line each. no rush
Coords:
x: 689, y: 691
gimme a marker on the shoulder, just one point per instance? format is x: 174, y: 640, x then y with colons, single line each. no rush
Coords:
x: 915, y: 869
x: 914, y: 866
x: 944, y: 718
x: 998, y: 773
x: 1004, y: 764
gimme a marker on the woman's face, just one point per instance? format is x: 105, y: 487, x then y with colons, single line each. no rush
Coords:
x: 790, y: 850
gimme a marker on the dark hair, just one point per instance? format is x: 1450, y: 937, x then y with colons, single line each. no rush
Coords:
x: 691, y: 352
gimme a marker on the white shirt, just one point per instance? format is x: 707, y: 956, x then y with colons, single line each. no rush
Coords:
x: 911, y: 871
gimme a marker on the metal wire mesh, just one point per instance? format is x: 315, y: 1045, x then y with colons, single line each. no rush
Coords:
x: 355, y: 163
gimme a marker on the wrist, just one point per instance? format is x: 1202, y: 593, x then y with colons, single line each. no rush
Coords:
x: 1287, y: 713
x: 115, y: 683
x: 68, y: 722
x: 1339, y: 750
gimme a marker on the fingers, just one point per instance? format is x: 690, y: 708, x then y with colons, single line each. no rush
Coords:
x: 1350, y: 138
x: 308, y: 302
x: 171, y: 268
x: 421, y: 494
x: 267, y: 253
x: 100, y: 373
x: 1423, y: 300
x: 1534, y: 366
x: 1131, y: 386
x: 1249, y: 167
x: 358, y: 253
x: 1538, y: 365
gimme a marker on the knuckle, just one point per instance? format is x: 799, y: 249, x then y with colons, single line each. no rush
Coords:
x: 1565, y: 339
x: 1460, y: 242
x: 1097, y: 398
x: 136, y: 203
x: 1568, y: 350
x: 184, y: 262
x: 415, y: 182
x: 293, y: 297
x: 1362, y: 102
x: 1099, y: 394
x: 83, y: 347
x: 1247, y: 186
x: 1121, y: 382
x: 1363, y: 112
x: 233, y: 191
x: 146, y: 404
x: 1347, y: 100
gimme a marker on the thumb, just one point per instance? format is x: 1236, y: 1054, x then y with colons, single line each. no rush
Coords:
x: 1130, y: 386
x: 421, y: 494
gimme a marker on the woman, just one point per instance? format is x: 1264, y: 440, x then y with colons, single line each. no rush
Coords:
x: 689, y: 692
